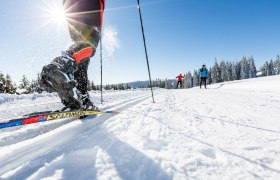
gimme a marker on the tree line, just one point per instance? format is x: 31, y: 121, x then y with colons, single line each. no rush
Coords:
x: 25, y: 86
x: 223, y: 71
x: 10, y: 87
x: 121, y: 86
x: 271, y: 67
x: 233, y: 70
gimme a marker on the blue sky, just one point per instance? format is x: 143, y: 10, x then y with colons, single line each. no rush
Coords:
x: 181, y: 35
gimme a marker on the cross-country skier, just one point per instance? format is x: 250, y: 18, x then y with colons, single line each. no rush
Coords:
x: 203, y: 75
x: 67, y: 74
x: 180, y: 81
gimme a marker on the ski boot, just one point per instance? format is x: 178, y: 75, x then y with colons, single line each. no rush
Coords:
x: 87, y: 104
x: 71, y: 100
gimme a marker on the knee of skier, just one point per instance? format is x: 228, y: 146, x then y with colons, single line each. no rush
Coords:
x: 82, y: 50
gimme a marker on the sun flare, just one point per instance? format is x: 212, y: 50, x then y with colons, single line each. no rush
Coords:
x: 58, y: 15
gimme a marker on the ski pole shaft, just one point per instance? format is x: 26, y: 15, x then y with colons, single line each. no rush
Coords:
x: 147, y: 59
x: 101, y: 67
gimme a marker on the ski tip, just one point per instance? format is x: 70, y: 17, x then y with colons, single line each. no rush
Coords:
x: 112, y: 111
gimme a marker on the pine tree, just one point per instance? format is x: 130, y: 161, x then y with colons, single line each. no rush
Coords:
x: 277, y: 65
x: 14, y: 88
x: 244, y: 68
x: 2, y: 82
x: 265, y: 69
x: 9, y: 87
x: 223, y: 71
x: 129, y: 87
x: 233, y: 71
x: 33, y: 86
x: 270, y: 68
x: 92, y: 86
x: 24, y: 83
x: 252, y: 68
x: 188, y: 80
x: 209, y: 79
x: 166, y: 84
x: 216, y: 73
x: 229, y: 72
x: 185, y: 81
x: 195, y: 78
x: 238, y: 70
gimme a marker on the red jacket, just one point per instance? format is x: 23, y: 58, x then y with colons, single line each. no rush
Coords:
x: 180, y: 77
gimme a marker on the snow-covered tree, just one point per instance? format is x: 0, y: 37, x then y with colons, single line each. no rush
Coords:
x: 244, y: 68
x: 188, y: 80
x: 9, y: 86
x: 2, y: 82
x: 92, y: 86
x: 167, y: 84
x: 267, y: 68
x: 33, y: 86
x: 229, y: 71
x: 252, y: 68
x: 233, y: 71
x: 223, y: 71
x: 238, y: 70
x: 195, y: 78
x: 271, y: 68
x: 277, y: 65
x: 216, y: 73
x: 209, y: 79
x: 263, y: 69
x: 24, y: 83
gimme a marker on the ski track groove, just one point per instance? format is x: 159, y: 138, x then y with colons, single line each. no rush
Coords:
x: 46, y: 127
x: 10, y: 162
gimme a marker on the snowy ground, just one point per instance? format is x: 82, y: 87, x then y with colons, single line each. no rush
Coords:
x: 230, y: 131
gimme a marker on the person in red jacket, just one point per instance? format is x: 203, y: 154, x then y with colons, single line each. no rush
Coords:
x: 180, y: 81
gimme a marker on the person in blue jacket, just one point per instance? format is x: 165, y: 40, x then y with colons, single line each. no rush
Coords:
x: 203, y: 75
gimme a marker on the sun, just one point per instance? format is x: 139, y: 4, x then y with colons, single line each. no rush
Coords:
x: 58, y: 15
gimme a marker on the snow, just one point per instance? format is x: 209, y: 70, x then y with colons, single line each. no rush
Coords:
x: 229, y: 131
x: 259, y: 74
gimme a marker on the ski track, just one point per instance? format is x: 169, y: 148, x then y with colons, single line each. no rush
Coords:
x: 21, y: 133
x: 16, y: 107
x: 67, y: 134
x: 230, y: 131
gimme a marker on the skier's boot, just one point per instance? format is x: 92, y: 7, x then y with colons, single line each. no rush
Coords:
x: 87, y: 104
x: 70, y: 100
x: 54, y: 79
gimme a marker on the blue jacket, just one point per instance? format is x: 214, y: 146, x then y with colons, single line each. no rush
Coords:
x: 203, y: 73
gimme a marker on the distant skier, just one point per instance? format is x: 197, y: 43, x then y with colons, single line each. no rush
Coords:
x: 67, y: 74
x: 180, y: 81
x: 203, y: 75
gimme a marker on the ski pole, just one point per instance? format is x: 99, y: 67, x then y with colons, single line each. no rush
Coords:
x: 143, y: 34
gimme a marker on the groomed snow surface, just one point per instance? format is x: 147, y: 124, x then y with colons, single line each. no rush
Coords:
x: 229, y: 131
